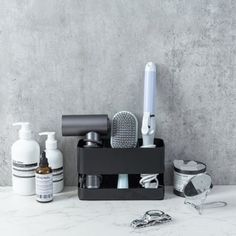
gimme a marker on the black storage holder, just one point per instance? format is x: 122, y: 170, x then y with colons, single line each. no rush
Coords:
x: 109, y: 162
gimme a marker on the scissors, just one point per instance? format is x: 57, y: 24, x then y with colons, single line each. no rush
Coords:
x: 151, y: 218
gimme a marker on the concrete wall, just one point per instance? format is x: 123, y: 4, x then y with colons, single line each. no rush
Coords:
x: 76, y: 57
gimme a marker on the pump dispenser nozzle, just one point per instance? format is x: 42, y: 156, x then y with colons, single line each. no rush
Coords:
x: 51, y: 142
x: 25, y: 131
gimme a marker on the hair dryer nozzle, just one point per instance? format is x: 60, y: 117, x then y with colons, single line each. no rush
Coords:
x: 79, y: 125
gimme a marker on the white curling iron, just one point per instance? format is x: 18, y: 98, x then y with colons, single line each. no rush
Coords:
x: 149, y: 121
x: 149, y: 106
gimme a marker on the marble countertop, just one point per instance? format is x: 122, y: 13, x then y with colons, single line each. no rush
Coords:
x: 67, y: 215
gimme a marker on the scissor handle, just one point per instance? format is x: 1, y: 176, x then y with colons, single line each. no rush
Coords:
x: 153, y: 215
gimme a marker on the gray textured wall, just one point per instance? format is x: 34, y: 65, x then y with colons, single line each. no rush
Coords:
x: 74, y: 57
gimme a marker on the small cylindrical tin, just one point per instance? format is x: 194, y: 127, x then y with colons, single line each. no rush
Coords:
x: 183, y: 175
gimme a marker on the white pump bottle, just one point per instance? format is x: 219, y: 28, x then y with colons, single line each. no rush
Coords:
x: 25, y: 154
x: 55, y: 160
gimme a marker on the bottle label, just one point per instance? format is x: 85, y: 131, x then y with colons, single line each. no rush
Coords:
x: 180, y: 180
x: 57, y: 175
x: 44, y: 187
x: 23, y: 170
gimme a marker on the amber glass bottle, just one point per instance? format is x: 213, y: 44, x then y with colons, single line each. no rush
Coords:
x: 44, y: 181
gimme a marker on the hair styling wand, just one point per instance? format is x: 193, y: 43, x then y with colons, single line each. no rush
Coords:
x: 149, y: 121
x: 149, y: 106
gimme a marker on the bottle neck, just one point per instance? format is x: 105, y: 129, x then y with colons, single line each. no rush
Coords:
x: 50, y: 148
x: 25, y: 135
x: 22, y: 137
x: 51, y: 145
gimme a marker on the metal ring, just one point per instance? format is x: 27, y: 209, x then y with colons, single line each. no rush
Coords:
x: 153, y: 214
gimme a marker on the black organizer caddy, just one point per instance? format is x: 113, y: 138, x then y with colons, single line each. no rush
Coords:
x: 109, y: 162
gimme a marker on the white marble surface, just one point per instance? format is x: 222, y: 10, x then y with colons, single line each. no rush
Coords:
x: 67, y: 215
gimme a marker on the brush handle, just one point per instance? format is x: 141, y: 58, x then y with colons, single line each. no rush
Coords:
x: 123, y: 181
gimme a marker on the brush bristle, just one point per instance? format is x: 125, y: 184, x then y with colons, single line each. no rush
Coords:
x: 124, y: 132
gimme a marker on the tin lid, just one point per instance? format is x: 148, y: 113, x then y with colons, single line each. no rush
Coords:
x: 189, y: 167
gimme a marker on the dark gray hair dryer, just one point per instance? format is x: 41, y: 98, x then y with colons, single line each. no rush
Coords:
x: 92, y: 127
x: 80, y: 125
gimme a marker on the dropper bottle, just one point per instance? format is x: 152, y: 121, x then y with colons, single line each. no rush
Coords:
x: 44, y: 181
x: 55, y: 159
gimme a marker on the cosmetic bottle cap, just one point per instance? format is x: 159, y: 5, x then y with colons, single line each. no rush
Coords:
x: 25, y: 131
x: 51, y: 142
x: 43, y: 160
